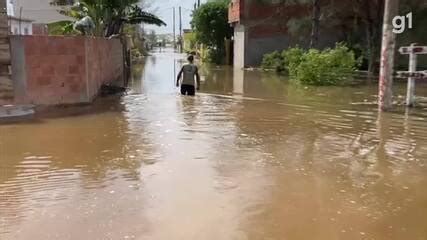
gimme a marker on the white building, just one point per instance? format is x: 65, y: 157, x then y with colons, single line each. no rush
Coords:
x: 41, y: 11
x: 18, y: 25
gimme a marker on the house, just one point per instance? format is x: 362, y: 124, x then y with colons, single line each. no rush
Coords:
x: 18, y: 25
x: 41, y: 11
x: 261, y: 27
x: 6, y: 86
x: 188, y: 39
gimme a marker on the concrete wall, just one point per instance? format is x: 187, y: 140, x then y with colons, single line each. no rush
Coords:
x: 261, y: 28
x: 20, y: 28
x: 51, y: 70
x: 239, y: 46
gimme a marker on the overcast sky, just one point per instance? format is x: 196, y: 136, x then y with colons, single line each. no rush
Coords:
x: 164, y: 9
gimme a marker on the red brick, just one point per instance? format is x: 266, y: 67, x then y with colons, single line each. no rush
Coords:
x: 75, y: 88
x: 73, y: 69
x: 49, y: 70
x: 80, y: 60
x: 30, y: 48
x: 44, y: 80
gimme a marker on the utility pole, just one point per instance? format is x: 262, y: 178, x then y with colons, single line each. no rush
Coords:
x: 385, y: 94
x: 180, y: 30
x: 174, y: 40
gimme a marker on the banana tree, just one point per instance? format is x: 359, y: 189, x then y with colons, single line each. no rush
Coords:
x: 109, y: 16
x: 127, y: 12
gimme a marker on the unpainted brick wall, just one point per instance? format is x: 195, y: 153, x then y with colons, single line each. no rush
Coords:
x: 68, y: 70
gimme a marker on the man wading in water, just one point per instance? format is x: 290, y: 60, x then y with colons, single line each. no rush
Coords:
x: 189, y: 70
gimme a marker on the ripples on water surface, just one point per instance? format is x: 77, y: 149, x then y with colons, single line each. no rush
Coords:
x: 252, y: 159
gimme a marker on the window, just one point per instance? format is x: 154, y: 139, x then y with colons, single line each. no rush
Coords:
x: 15, y: 31
x: 26, y: 32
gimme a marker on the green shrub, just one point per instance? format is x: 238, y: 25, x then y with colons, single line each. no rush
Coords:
x: 314, y: 67
x: 273, y: 61
x: 283, y: 61
x: 327, y: 67
x: 292, y: 59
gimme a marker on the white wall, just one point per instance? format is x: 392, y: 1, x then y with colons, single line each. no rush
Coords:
x: 10, y: 9
x: 26, y: 27
x: 38, y: 10
x: 239, y: 46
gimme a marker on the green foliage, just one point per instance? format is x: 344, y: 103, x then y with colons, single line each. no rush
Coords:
x: 110, y: 16
x: 273, y: 61
x: 210, y: 23
x: 314, y: 67
x: 61, y: 28
x: 136, y: 16
x: 283, y: 62
x: 190, y: 41
x: 327, y: 67
x: 292, y: 59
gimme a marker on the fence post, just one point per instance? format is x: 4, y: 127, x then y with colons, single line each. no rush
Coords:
x: 410, y: 95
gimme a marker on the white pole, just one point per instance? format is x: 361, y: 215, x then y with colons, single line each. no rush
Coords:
x: 174, y: 71
x: 20, y: 20
x: 385, y: 95
x: 410, y: 95
x: 174, y: 40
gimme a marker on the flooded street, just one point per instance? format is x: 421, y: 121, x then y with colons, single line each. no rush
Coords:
x: 251, y: 157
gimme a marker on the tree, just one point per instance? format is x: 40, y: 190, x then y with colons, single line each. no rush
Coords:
x: 109, y: 16
x: 316, y: 6
x: 314, y: 39
x: 210, y: 23
x: 372, y: 16
x: 152, y: 38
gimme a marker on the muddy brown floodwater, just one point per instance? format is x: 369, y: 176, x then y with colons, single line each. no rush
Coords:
x: 249, y: 158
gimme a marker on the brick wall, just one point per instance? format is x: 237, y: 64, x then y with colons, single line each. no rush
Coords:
x: 261, y: 27
x: 53, y: 70
x: 234, y: 11
x: 105, y: 62
x: 40, y: 29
